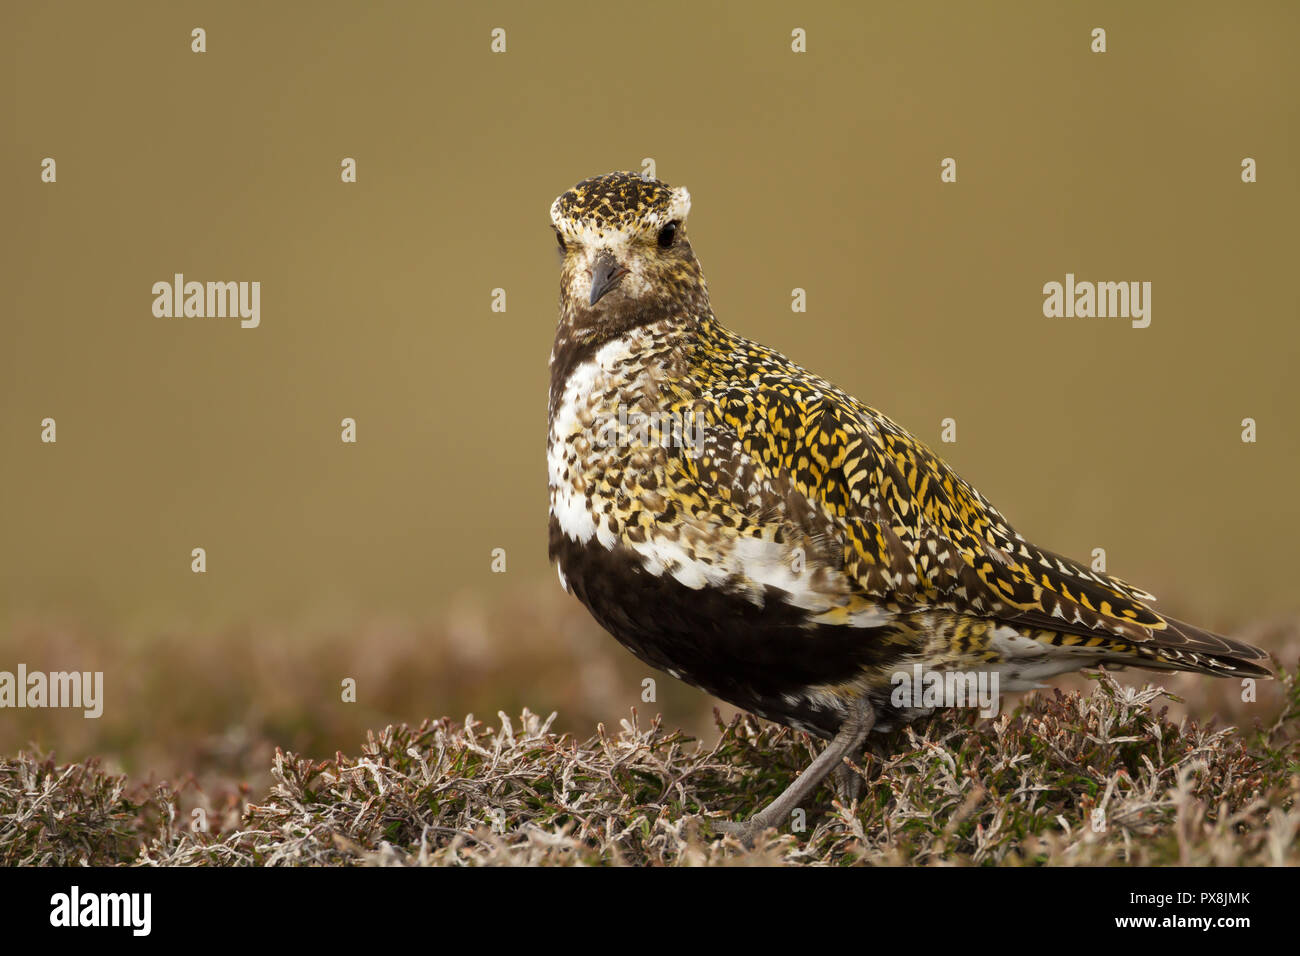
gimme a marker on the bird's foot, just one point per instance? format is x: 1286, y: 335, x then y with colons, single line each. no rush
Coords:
x: 849, y: 784
x: 743, y: 831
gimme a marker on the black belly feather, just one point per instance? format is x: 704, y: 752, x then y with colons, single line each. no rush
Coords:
x: 759, y: 658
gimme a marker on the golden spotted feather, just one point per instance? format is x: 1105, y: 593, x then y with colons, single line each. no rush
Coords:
x: 912, y: 533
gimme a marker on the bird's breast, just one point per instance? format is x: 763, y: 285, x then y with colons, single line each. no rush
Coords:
x: 602, y: 472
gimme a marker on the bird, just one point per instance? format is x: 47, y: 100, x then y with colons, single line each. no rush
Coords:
x: 746, y: 526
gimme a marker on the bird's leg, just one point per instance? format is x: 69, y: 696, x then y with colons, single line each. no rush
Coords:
x: 848, y: 781
x: 853, y: 782
x: 852, y: 733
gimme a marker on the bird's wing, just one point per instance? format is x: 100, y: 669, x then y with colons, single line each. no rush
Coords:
x: 913, y: 532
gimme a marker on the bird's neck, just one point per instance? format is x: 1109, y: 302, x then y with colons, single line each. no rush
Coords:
x: 578, y: 342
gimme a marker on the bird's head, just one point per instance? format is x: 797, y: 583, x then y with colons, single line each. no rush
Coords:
x: 625, y: 256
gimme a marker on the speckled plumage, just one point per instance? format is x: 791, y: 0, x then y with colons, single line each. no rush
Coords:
x: 775, y: 541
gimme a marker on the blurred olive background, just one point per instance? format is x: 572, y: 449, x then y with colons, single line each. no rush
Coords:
x: 816, y: 170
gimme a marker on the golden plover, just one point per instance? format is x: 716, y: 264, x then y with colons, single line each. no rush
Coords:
x: 746, y: 526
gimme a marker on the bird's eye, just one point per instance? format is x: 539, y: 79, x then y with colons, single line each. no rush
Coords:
x: 559, y: 238
x: 667, y: 234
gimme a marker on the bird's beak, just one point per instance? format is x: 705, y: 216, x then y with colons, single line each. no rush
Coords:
x: 604, y: 276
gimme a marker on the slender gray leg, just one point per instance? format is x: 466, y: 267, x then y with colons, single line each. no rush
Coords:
x: 851, y: 782
x: 848, y: 782
x: 852, y: 733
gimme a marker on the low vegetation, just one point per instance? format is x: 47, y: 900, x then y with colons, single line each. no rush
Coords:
x: 1102, y: 776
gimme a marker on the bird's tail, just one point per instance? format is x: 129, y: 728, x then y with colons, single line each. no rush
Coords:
x: 1184, y: 647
